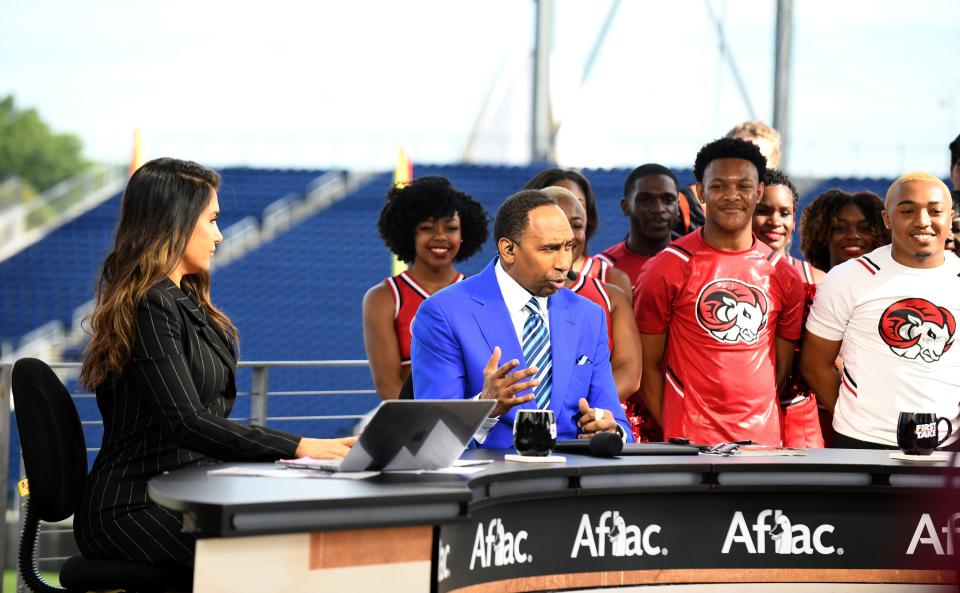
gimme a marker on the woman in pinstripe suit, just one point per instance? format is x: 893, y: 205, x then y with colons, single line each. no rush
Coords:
x: 161, y: 360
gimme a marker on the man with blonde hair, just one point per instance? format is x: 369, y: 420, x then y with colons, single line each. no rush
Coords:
x: 892, y: 316
x: 765, y: 137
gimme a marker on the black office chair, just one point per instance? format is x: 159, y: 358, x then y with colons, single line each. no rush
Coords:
x: 55, y: 459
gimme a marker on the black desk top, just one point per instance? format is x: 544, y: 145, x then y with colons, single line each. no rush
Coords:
x: 227, y: 505
x: 243, y: 505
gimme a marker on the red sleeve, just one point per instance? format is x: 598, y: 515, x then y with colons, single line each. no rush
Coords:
x: 654, y: 293
x: 792, y: 297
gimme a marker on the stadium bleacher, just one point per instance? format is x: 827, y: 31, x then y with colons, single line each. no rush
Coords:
x: 49, y: 279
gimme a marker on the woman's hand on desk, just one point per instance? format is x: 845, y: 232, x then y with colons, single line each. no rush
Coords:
x: 325, y: 448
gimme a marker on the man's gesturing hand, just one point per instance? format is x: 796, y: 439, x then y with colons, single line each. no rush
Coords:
x: 594, y: 420
x: 502, y: 385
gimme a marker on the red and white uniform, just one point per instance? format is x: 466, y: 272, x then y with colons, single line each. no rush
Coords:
x: 721, y: 312
x: 803, y: 268
x: 897, y: 327
x: 594, y: 267
x: 801, y: 416
x: 407, y: 296
x: 625, y: 260
x: 592, y: 288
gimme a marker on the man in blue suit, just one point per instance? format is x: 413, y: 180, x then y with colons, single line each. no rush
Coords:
x: 517, y: 308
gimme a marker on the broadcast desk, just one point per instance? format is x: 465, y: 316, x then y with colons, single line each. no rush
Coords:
x: 856, y: 520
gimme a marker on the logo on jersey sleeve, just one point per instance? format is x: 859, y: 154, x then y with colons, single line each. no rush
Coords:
x: 917, y: 328
x: 732, y: 311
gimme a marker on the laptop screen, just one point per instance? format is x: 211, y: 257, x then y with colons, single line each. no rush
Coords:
x: 416, y: 434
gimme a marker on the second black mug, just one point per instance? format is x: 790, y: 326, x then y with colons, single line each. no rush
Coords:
x: 918, y: 432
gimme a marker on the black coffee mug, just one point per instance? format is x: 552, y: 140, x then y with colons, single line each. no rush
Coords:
x: 534, y: 432
x: 917, y: 432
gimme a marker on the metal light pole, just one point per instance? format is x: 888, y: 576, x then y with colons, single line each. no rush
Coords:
x: 781, y: 76
x: 541, y: 132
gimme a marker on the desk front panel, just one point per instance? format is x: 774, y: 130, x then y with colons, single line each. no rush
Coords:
x: 709, y: 536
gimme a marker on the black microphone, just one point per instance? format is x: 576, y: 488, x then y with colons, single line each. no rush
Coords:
x: 602, y: 444
x: 572, y: 276
x: 606, y: 444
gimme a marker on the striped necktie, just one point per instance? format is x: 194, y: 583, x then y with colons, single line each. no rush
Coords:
x: 536, y: 352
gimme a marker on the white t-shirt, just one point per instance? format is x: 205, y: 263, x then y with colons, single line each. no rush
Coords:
x: 898, y: 326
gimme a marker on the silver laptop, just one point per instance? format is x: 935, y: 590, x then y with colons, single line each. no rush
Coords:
x: 413, y: 434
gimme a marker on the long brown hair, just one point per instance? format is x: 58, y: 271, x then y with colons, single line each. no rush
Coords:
x: 161, y: 205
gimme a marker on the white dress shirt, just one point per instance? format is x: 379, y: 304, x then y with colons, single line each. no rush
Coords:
x: 516, y: 298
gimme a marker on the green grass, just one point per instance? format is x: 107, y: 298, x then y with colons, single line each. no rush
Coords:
x: 10, y: 580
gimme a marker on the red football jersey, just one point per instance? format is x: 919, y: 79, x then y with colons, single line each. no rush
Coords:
x: 407, y: 296
x: 721, y: 311
x: 623, y: 259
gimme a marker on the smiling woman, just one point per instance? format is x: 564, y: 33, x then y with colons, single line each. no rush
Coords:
x: 773, y: 223
x: 773, y: 218
x: 429, y: 225
x: 838, y: 226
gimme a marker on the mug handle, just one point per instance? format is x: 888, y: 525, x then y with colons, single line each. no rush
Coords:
x: 949, y: 430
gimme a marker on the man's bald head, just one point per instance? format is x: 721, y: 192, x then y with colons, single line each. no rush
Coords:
x: 918, y: 213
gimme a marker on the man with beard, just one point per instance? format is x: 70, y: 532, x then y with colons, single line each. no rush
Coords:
x: 719, y: 313
x: 517, y: 308
x: 650, y: 203
x: 891, y: 314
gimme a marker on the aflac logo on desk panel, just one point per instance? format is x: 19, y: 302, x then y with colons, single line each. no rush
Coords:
x: 926, y: 534
x: 495, y: 546
x: 787, y: 537
x: 443, y: 554
x: 625, y: 540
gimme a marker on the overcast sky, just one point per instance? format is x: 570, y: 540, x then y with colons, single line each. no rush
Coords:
x: 876, y: 87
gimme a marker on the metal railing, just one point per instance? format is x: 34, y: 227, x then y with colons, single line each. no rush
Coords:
x: 259, y: 395
x: 61, y: 203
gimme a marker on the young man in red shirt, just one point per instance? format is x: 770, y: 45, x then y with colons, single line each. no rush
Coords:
x: 650, y: 204
x: 719, y: 313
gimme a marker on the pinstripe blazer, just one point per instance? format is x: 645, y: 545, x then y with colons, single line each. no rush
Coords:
x: 168, y: 410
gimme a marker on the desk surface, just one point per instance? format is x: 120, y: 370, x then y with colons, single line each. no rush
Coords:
x: 223, y: 506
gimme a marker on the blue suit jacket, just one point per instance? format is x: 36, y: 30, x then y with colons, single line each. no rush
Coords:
x: 456, y: 329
